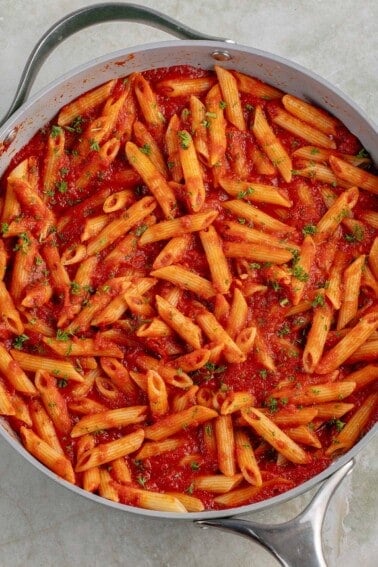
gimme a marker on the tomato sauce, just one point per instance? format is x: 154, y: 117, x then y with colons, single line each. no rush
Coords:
x: 285, y: 336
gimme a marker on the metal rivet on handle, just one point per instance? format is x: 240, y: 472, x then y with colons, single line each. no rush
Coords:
x: 221, y: 55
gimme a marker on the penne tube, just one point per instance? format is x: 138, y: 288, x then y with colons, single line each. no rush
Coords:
x: 198, y: 127
x: 219, y: 269
x: 216, y: 126
x: 149, y: 147
x: 172, y: 424
x: 174, y: 251
x: 172, y: 143
x: 56, y: 462
x: 118, y: 227
x: 154, y: 448
x: 191, y: 503
x: 373, y: 258
x: 177, y: 227
x: 173, y: 376
x: 152, y: 177
x: 44, y: 426
x: 317, y: 393
x: 157, y: 394
x: 181, y: 324
x: 57, y: 367
x: 53, y: 401
x: 106, y: 452
x: 317, y: 117
x: 332, y: 410
x: 366, y: 352
x: 354, y: 175
x: 225, y: 441
x: 304, y: 435
x: 252, y: 214
x: 354, y: 428
x: 6, y: 403
x: 217, y: 484
x: 230, y: 94
x: 117, y: 201
x: 109, y: 419
x: 351, y: 285
x: 13, y: 369
x: 250, y: 85
x: 85, y: 103
x: 215, y: 332
x: 345, y: 348
x: 317, y: 336
x: 148, y: 102
x: 363, y: 376
x: 246, y: 458
x: 275, y: 436
x: 185, y: 86
x: 257, y: 252
x: 9, y: 315
x: 234, y: 401
x: 186, y: 279
x: 298, y: 127
x: 271, y: 145
x: 151, y: 500
x: 194, y: 186
x: 255, y: 192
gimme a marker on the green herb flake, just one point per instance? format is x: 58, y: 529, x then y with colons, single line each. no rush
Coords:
x: 195, y: 466
x: 141, y: 229
x: 318, y: 300
x: 300, y: 274
x: 94, y: 145
x: 309, y: 229
x: 4, y: 228
x: 185, y: 139
x: 18, y: 342
x: 284, y: 330
x: 62, y: 186
x: 357, y: 234
x: 55, y: 131
x: 245, y: 193
x: 146, y: 149
x: 272, y: 404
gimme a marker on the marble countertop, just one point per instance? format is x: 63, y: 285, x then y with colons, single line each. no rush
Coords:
x: 43, y: 524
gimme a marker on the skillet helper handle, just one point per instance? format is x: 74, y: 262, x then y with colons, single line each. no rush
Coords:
x: 297, y: 542
x: 89, y: 16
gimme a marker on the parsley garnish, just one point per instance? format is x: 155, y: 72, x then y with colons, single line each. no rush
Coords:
x: 357, y: 234
x: 299, y: 273
x: 55, y: 131
x: 18, y: 342
x: 146, y: 149
x: 184, y: 139
x: 94, y: 145
x: 309, y: 229
x: 245, y: 193
x: 318, y: 300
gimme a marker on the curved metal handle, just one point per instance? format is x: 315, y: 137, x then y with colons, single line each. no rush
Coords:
x: 297, y: 542
x: 89, y: 16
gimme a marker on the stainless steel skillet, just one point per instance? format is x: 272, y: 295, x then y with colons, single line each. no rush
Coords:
x: 202, y: 52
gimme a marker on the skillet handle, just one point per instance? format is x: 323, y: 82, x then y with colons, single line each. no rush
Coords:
x: 89, y: 16
x: 297, y: 542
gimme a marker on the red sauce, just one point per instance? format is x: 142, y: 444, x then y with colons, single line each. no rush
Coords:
x: 285, y: 337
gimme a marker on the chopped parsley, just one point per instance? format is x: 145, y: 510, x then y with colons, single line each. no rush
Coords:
x: 185, y: 139
x: 55, y: 131
x: 299, y: 273
x: 76, y: 125
x: 195, y: 466
x: 141, y: 229
x: 222, y: 104
x: 146, y: 149
x: 285, y: 330
x: 245, y: 193
x: 4, y: 228
x: 309, y: 229
x: 357, y: 234
x: 62, y: 335
x: 18, y: 342
x: 94, y: 145
x: 23, y: 243
x: 62, y: 186
x: 318, y: 300
x: 272, y: 404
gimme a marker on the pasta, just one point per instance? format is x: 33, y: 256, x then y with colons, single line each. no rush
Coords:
x: 188, y: 290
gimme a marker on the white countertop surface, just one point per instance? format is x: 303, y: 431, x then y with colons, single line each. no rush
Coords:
x: 43, y: 524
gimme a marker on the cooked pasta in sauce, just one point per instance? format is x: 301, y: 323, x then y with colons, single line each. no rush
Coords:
x: 188, y: 290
